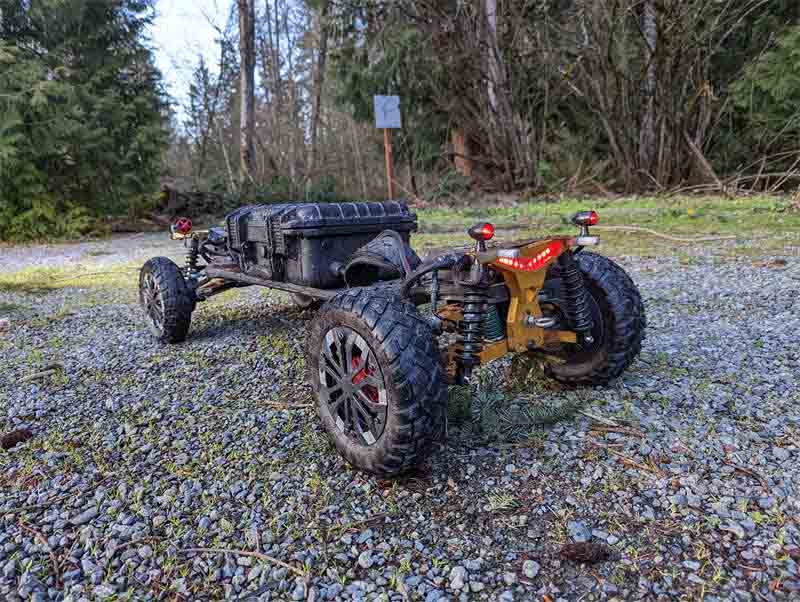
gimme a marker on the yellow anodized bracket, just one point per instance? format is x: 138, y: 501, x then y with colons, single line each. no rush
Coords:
x: 524, y: 270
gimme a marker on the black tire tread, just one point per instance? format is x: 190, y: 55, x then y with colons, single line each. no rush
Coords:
x: 178, y: 300
x: 414, y: 367
x: 629, y: 320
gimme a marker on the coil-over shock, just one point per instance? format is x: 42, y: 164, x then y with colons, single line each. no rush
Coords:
x: 191, y: 265
x: 472, y: 330
x: 576, y: 298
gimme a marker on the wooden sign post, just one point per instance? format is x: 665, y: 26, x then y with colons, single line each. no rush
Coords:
x: 388, y: 152
x: 388, y: 118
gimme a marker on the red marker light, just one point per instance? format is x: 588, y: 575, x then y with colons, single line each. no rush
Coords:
x: 482, y: 232
x: 183, y: 225
x: 586, y: 218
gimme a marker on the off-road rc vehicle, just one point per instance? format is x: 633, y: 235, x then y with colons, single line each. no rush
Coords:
x: 373, y: 352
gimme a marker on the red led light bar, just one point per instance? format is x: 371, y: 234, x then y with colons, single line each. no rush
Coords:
x: 537, y: 262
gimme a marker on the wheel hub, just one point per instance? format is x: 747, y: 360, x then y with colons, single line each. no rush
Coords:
x: 152, y: 301
x: 352, y: 386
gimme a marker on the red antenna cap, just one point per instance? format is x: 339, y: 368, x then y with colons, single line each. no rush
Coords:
x: 183, y: 225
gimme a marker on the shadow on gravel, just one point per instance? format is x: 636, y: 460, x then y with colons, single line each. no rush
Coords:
x: 276, y: 321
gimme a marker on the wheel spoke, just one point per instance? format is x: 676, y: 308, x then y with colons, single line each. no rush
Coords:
x: 368, y: 418
x: 335, y: 404
x: 351, y: 384
x: 330, y: 364
x: 348, y: 348
x: 352, y: 419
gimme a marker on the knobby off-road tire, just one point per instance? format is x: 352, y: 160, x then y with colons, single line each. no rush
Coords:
x: 402, y: 373
x: 623, y: 330
x: 166, y: 300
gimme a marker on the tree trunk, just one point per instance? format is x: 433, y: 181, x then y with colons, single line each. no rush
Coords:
x: 247, y: 52
x: 319, y: 82
x: 494, y: 67
x: 647, y: 135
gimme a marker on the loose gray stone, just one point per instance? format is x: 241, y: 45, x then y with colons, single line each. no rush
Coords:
x: 578, y: 531
x: 458, y: 575
x: 85, y: 517
x: 365, y: 559
x: 530, y: 568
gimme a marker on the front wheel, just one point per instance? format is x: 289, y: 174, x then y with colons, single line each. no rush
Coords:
x: 380, y: 389
x: 619, y: 325
x: 166, y: 300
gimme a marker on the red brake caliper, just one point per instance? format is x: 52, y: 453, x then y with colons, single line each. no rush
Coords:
x: 369, y: 390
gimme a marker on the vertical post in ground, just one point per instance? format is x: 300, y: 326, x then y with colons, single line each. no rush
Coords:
x: 387, y: 143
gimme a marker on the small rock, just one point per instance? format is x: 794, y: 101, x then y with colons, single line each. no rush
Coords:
x: 692, y: 565
x: 509, y: 578
x: 299, y: 591
x: 578, y: 531
x: 476, y: 586
x: 530, y: 568
x: 365, y: 560
x: 85, y: 517
x: 10, y: 569
x: 458, y: 575
x: 737, y: 530
x: 145, y: 552
x: 102, y: 592
x: 767, y: 502
x: 780, y: 453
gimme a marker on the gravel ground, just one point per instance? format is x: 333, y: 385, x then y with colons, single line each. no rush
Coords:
x: 100, y: 253
x: 141, y: 453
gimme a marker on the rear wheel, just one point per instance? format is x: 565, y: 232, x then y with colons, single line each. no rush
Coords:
x: 619, y: 325
x: 166, y: 300
x: 374, y: 366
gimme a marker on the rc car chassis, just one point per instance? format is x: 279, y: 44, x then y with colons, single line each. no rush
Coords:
x: 374, y: 359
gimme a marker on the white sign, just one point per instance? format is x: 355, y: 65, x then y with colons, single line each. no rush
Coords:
x: 387, y: 113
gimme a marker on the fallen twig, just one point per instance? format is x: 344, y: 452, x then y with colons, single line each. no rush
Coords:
x: 628, y: 461
x: 749, y: 472
x: 277, y: 405
x: 622, y: 430
x: 43, y: 540
x: 360, y: 523
x: 43, y: 506
x: 92, y: 274
x: 600, y: 419
x: 257, y: 555
x: 666, y: 236
x: 48, y: 370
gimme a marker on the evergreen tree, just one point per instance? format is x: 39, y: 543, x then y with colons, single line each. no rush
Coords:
x: 82, y: 111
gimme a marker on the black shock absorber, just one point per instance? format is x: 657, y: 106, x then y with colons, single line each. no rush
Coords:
x: 191, y: 266
x: 576, y: 297
x: 472, y: 335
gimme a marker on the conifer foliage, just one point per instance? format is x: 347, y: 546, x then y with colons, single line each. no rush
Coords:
x: 82, y: 113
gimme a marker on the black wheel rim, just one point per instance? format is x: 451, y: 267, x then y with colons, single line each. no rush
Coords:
x: 152, y: 301
x: 352, y: 386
